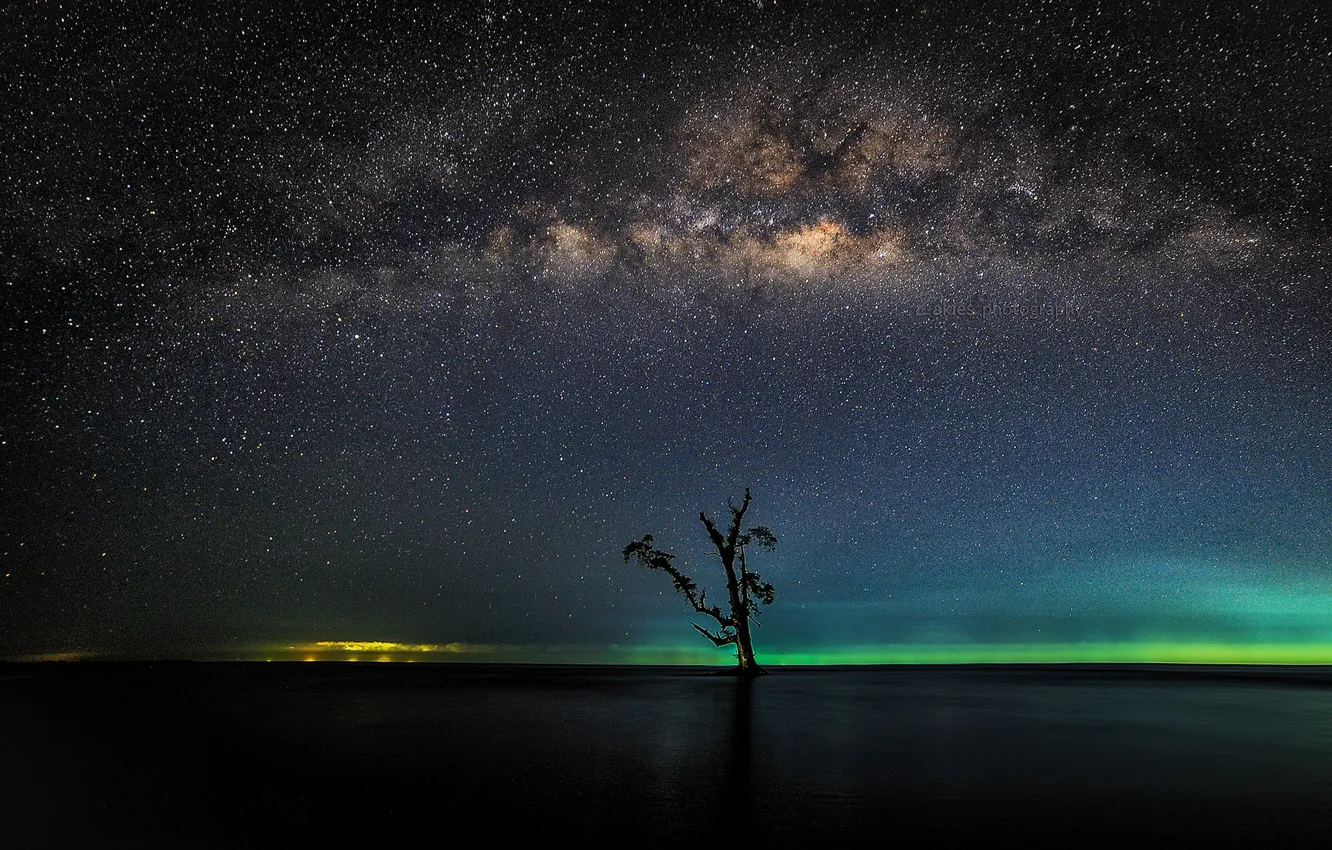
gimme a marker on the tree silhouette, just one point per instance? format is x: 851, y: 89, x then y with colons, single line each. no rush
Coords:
x: 745, y: 588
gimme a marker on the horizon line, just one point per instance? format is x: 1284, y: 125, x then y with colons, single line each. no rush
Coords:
x: 902, y: 654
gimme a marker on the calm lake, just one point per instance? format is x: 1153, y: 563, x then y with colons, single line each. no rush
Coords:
x: 257, y: 755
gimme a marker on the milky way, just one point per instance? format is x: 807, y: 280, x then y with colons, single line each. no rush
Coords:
x: 395, y: 326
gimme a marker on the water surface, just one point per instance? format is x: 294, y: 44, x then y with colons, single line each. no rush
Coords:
x: 270, y: 754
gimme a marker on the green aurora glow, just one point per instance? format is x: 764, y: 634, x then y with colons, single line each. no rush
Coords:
x: 1143, y: 652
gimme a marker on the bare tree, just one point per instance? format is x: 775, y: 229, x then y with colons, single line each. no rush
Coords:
x: 745, y: 589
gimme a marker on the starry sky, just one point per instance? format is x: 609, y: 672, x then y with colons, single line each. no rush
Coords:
x: 382, y: 324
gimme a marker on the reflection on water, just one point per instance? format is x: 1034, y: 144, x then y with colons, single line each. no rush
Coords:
x: 266, y: 754
x: 736, y: 809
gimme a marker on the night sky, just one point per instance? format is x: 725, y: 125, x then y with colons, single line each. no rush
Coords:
x: 354, y: 324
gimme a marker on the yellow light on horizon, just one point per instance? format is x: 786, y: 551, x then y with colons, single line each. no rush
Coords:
x: 382, y: 646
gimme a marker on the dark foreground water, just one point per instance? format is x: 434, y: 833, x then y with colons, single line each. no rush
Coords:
x: 379, y: 754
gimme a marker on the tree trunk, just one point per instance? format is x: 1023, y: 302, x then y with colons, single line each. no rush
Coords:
x: 744, y: 648
x: 726, y: 550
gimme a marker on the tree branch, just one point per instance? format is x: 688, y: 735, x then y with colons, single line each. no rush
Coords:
x: 718, y: 639
x: 717, y: 539
x: 655, y: 559
x: 737, y: 517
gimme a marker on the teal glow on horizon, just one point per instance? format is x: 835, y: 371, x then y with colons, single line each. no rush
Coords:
x: 1124, y: 652
x: 1128, y: 652
x: 1143, y: 652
